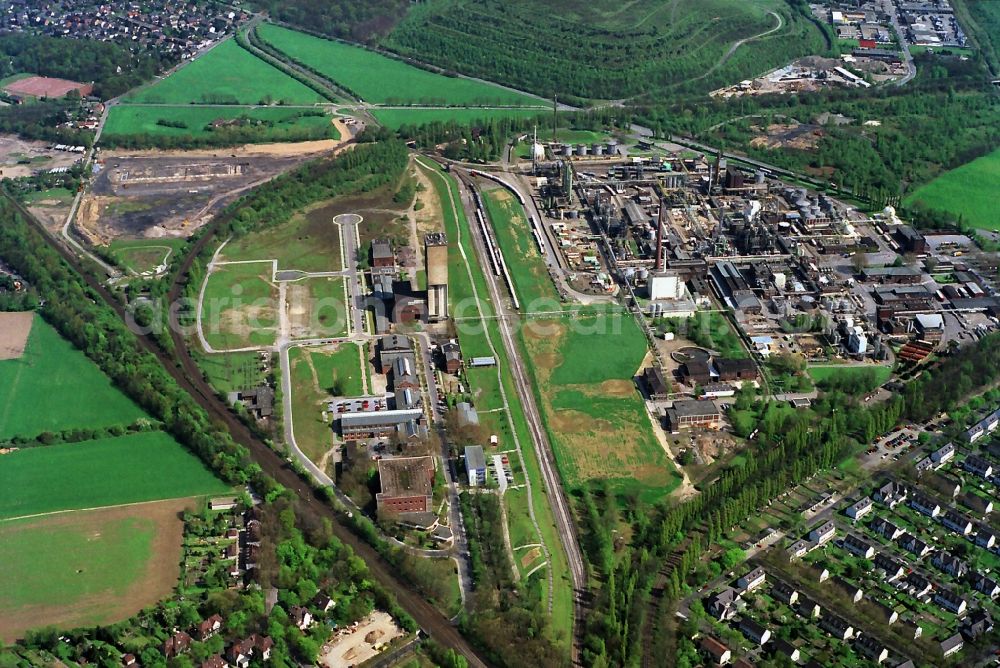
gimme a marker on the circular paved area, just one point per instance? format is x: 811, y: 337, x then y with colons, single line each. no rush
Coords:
x: 347, y: 219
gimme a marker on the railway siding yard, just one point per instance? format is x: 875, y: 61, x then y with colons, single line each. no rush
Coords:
x: 537, y: 551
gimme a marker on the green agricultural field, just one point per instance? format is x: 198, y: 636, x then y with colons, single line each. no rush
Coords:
x: 309, y: 242
x: 583, y: 370
x: 532, y: 282
x: 271, y: 123
x: 382, y: 80
x: 228, y: 74
x: 104, y: 472
x: 53, y: 387
x: 88, y: 567
x: 141, y: 255
x: 397, y: 118
x: 969, y: 191
x: 604, y: 50
x: 240, y: 307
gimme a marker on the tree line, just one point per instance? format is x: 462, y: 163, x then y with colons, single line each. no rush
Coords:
x: 112, y: 68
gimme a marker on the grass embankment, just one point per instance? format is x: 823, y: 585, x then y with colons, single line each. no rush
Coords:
x: 485, y: 386
x: 142, y: 255
x: 54, y: 387
x: 383, y: 80
x: 129, y: 469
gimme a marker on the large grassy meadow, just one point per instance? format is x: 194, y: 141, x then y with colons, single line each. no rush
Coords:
x: 379, y: 79
x: 583, y: 368
x: 276, y: 123
x: 54, y: 387
x: 970, y: 191
x: 129, y: 469
x: 310, y: 241
x: 90, y: 567
x: 228, y: 74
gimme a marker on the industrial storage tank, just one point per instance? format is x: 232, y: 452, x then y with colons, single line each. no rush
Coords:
x: 643, y: 274
x: 611, y: 147
x: 567, y: 150
x: 582, y: 149
x: 597, y: 149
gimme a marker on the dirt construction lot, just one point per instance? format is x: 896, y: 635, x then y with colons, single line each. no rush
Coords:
x: 23, y: 157
x: 71, y: 569
x: 14, y: 330
x: 360, y: 642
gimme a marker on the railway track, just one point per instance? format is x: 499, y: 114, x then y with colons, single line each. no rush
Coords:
x: 187, y: 374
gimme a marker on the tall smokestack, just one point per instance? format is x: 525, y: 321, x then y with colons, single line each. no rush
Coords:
x: 659, y: 239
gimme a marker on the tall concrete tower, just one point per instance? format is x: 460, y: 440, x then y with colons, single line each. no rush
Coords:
x: 436, y: 261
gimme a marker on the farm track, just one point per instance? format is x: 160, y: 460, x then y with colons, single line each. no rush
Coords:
x: 186, y: 373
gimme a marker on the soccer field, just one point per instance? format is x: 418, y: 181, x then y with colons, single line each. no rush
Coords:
x: 92, y: 474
